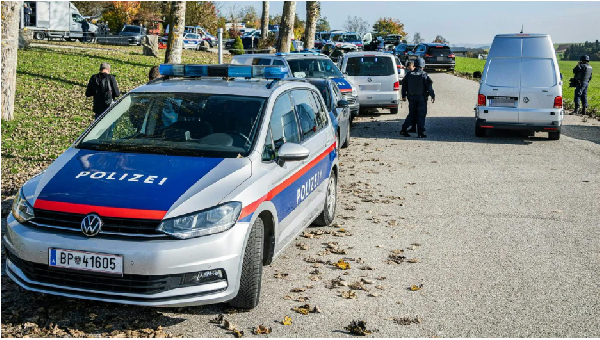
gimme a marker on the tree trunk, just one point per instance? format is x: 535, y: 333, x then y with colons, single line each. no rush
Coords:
x: 286, y: 28
x: 264, y: 21
x: 312, y: 15
x: 11, y: 11
x: 176, y: 29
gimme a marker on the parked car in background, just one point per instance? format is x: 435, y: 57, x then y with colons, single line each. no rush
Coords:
x: 521, y: 86
x: 191, y: 41
x: 338, y: 109
x: 339, y: 51
x: 133, y: 33
x: 346, y: 38
x: 436, y: 56
x: 376, y: 76
x: 390, y: 41
x: 402, y: 51
x: 322, y: 38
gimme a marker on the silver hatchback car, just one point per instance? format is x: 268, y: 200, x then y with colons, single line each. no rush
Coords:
x: 180, y: 192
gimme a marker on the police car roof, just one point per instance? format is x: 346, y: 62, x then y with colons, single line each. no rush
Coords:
x: 206, y: 85
x: 318, y: 81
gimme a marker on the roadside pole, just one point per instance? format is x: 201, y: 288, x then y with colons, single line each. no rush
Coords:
x: 220, y: 44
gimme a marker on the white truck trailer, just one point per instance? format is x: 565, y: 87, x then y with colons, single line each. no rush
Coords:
x: 56, y: 20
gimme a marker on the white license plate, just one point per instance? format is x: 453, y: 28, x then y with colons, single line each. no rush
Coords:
x: 83, y: 260
x: 440, y: 58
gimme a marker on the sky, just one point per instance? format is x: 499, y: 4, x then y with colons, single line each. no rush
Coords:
x: 463, y: 22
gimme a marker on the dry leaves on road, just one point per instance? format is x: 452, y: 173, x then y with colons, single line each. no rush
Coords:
x: 306, y: 309
x: 358, y: 328
x: 405, y: 321
x: 341, y: 264
x: 415, y: 287
x: 260, y: 329
x: 286, y: 321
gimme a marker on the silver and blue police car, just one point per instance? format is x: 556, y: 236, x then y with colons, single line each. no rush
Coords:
x: 180, y: 192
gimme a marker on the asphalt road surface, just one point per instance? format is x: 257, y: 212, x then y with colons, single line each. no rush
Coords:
x: 504, y: 232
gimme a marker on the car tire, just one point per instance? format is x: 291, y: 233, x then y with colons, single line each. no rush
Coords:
x: 479, y: 131
x: 394, y: 111
x: 328, y: 213
x: 252, y: 267
x: 347, y: 140
x: 554, y: 135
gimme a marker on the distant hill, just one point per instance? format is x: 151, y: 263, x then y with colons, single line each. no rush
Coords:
x: 479, y: 46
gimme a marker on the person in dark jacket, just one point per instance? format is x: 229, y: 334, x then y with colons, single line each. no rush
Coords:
x: 583, y: 76
x: 417, y: 86
x: 85, y: 27
x: 104, y: 88
x: 27, y: 15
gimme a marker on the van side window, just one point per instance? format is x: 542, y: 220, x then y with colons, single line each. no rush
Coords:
x: 306, y: 112
x: 269, y: 150
x: 284, y: 126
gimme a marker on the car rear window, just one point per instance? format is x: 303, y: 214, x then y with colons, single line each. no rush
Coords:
x: 370, y: 66
x: 439, y: 51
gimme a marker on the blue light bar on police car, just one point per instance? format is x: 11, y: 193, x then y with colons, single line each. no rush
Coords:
x: 227, y: 70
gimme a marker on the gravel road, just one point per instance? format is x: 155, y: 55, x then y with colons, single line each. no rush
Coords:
x: 504, y: 230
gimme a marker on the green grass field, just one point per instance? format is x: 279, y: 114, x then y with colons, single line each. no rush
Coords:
x: 466, y: 66
x: 51, y: 109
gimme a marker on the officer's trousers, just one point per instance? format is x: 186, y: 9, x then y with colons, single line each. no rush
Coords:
x: 581, y: 94
x: 417, y: 110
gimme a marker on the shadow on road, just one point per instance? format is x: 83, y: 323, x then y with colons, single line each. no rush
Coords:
x: 583, y: 132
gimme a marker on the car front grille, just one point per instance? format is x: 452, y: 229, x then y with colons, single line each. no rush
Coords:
x: 128, y: 283
x: 351, y: 100
x: 127, y: 227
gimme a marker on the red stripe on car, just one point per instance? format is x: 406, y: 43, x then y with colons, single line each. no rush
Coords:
x: 85, y: 209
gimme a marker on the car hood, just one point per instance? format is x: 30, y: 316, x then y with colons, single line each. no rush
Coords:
x: 131, y: 185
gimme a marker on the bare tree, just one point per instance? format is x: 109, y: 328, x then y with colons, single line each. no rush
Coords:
x: 264, y: 22
x: 356, y: 24
x: 10, y: 42
x: 440, y: 39
x: 286, y: 28
x: 176, y: 29
x: 313, y: 9
x: 417, y: 38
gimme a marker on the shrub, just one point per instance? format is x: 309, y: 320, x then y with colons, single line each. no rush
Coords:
x: 238, y: 47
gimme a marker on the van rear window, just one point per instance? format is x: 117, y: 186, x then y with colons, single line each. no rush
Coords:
x: 504, y: 72
x: 439, y: 51
x: 370, y: 66
x: 537, y: 72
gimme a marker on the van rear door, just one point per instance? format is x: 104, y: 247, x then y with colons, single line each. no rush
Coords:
x: 502, y: 89
x: 540, y: 83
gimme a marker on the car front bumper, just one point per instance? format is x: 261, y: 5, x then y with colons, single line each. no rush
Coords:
x: 144, y: 259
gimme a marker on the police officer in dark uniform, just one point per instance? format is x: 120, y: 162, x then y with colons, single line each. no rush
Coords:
x: 417, y: 86
x: 583, y: 76
x: 27, y: 14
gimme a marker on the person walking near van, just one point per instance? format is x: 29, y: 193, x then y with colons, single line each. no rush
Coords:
x: 27, y: 15
x: 583, y: 76
x: 417, y: 86
x: 104, y: 88
x: 85, y: 27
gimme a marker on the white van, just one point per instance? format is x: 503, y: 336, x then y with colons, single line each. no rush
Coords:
x: 521, y: 86
x: 376, y: 75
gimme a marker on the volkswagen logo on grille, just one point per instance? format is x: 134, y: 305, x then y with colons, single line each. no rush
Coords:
x: 91, y: 225
x: 369, y: 80
x: 526, y: 100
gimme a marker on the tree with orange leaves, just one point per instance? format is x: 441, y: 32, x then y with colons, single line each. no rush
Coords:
x: 121, y: 13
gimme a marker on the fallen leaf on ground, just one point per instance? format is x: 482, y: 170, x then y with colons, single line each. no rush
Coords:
x: 341, y: 264
x: 405, y: 321
x: 302, y: 246
x: 357, y: 286
x: 366, y: 268
x: 350, y: 294
x: 286, y: 321
x: 219, y: 319
x: 373, y: 294
x: 358, y: 328
x: 238, y: 334
x: 297, y: 290
x: 305, y: 309
x: 260, y: 329
x: 367, y: 281
x: 228, y: 325
x: 280, y: 275
x: 412, y: 260
x: 415, y: 287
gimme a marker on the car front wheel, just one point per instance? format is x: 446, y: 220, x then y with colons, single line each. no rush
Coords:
x: 252, y: 266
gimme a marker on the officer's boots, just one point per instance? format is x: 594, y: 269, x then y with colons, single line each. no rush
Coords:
x: 404, y: 133
x: 421, y: 135
x: 575, y: 111
x: 583, y: 113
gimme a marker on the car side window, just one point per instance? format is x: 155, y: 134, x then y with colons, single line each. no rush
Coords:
x: 321, y: 112
x: 306, y: 112
x: 284, y: 126
x: 269, y: 149
x: 277, y: 62
x: 261, y: 61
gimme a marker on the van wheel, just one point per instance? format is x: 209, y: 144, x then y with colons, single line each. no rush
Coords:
x: 394, y: 111
x: 39, y: 36
x: 252, y: 267
x: 328, y: 212
x: 554, y: 135
x: 479, y: 131
x: 347, y: 140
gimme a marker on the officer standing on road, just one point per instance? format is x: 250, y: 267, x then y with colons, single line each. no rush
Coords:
x: 27, y: 15
x: 583, y: 76
x: 417, y: 86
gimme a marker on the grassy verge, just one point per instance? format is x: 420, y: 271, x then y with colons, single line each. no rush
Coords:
x: 466, y: 66
x: 51, y: 109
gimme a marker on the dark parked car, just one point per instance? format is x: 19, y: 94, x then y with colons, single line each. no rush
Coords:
x: 402, y: 51
x: 133, y: 34
x: 436, y: 56
x: 338, y: 52
x: 338, y: 108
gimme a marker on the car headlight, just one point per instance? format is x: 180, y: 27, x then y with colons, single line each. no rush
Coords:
x: 206, y: 222
x: 21, y: 209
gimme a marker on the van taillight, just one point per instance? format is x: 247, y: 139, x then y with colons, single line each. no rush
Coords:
x: 558, y: 102
x: 481, y: 100
x: 396, y: 86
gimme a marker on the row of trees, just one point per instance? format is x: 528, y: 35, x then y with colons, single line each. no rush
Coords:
x: 575, y: 51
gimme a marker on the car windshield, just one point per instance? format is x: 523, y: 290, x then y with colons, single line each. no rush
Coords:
x: 190, y: 124
x: 391, y: 39
x: 351, y: 37
x: 325, y: 36
x: 370, y: 66
x: 325, y: 93
x: 314, y: 68
x: 440, y: 50
x: 192, y: 36
x: 132, y: 29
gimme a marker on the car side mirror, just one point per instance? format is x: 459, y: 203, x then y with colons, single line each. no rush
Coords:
x: 290, y: 152
x: 342, y: 103
x: 477, y: 75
